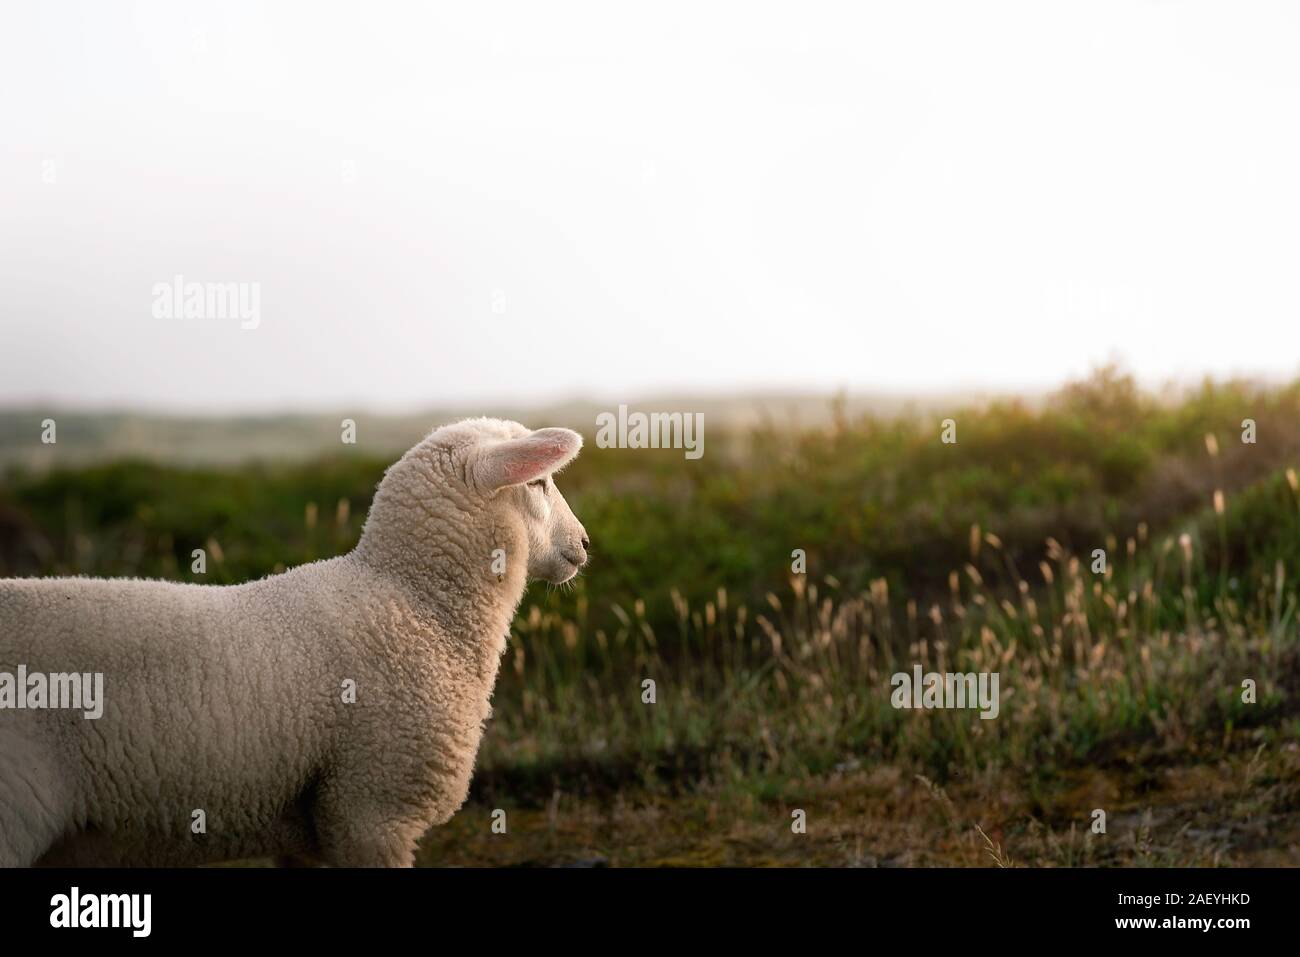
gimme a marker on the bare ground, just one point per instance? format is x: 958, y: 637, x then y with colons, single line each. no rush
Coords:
x: 1242, y: 810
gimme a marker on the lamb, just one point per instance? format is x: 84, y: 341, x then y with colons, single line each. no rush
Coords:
x: 332, y: 713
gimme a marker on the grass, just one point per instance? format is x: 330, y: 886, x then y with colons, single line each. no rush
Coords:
x: 1092, y: 667
x: 1122, y: 688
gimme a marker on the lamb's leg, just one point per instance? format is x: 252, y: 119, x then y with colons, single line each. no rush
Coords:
x: 369, y: 838
x: 354, y: 829
x: 35, y: 803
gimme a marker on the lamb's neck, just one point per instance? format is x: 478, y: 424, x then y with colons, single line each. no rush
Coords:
x: 451, y: 576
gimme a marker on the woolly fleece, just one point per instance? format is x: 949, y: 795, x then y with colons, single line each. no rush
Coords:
x: 230, y: 700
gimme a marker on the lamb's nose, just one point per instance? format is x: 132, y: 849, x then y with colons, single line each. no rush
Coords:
x: 586, y: 542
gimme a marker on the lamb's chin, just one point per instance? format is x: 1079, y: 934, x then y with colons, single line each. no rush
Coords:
x: 562, y: 572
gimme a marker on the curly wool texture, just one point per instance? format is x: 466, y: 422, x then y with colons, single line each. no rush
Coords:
x: 230, y: 700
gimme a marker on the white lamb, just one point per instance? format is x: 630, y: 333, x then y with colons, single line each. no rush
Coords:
x: 231, y: 700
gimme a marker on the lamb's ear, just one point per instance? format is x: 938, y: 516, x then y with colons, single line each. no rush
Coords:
x: 517, y: 461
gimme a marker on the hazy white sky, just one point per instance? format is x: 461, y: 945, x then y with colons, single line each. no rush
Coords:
x: 449, y: 202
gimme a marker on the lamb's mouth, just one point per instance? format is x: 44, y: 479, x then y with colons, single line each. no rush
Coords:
x: 568, y: 569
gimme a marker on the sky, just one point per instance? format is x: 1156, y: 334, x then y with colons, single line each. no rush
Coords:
x: 461, y: 202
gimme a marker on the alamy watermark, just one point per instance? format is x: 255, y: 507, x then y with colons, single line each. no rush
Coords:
x: 179, y: 299
x: 651, y: 430
x: 947, y: 690
x: 74, y: 909
x: 73, y: 691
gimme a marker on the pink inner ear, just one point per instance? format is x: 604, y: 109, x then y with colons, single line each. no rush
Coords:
x: 523, y: 460
x: 528, y: 463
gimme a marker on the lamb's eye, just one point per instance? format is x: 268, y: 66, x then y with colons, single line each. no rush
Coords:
x: 539, y: 483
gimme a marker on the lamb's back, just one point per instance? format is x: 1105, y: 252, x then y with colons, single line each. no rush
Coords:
x: 220, y: 699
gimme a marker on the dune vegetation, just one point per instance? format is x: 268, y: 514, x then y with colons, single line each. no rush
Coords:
x: 1127, y: 563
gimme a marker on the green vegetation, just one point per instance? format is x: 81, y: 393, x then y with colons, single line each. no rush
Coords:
x: 976, y: 556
